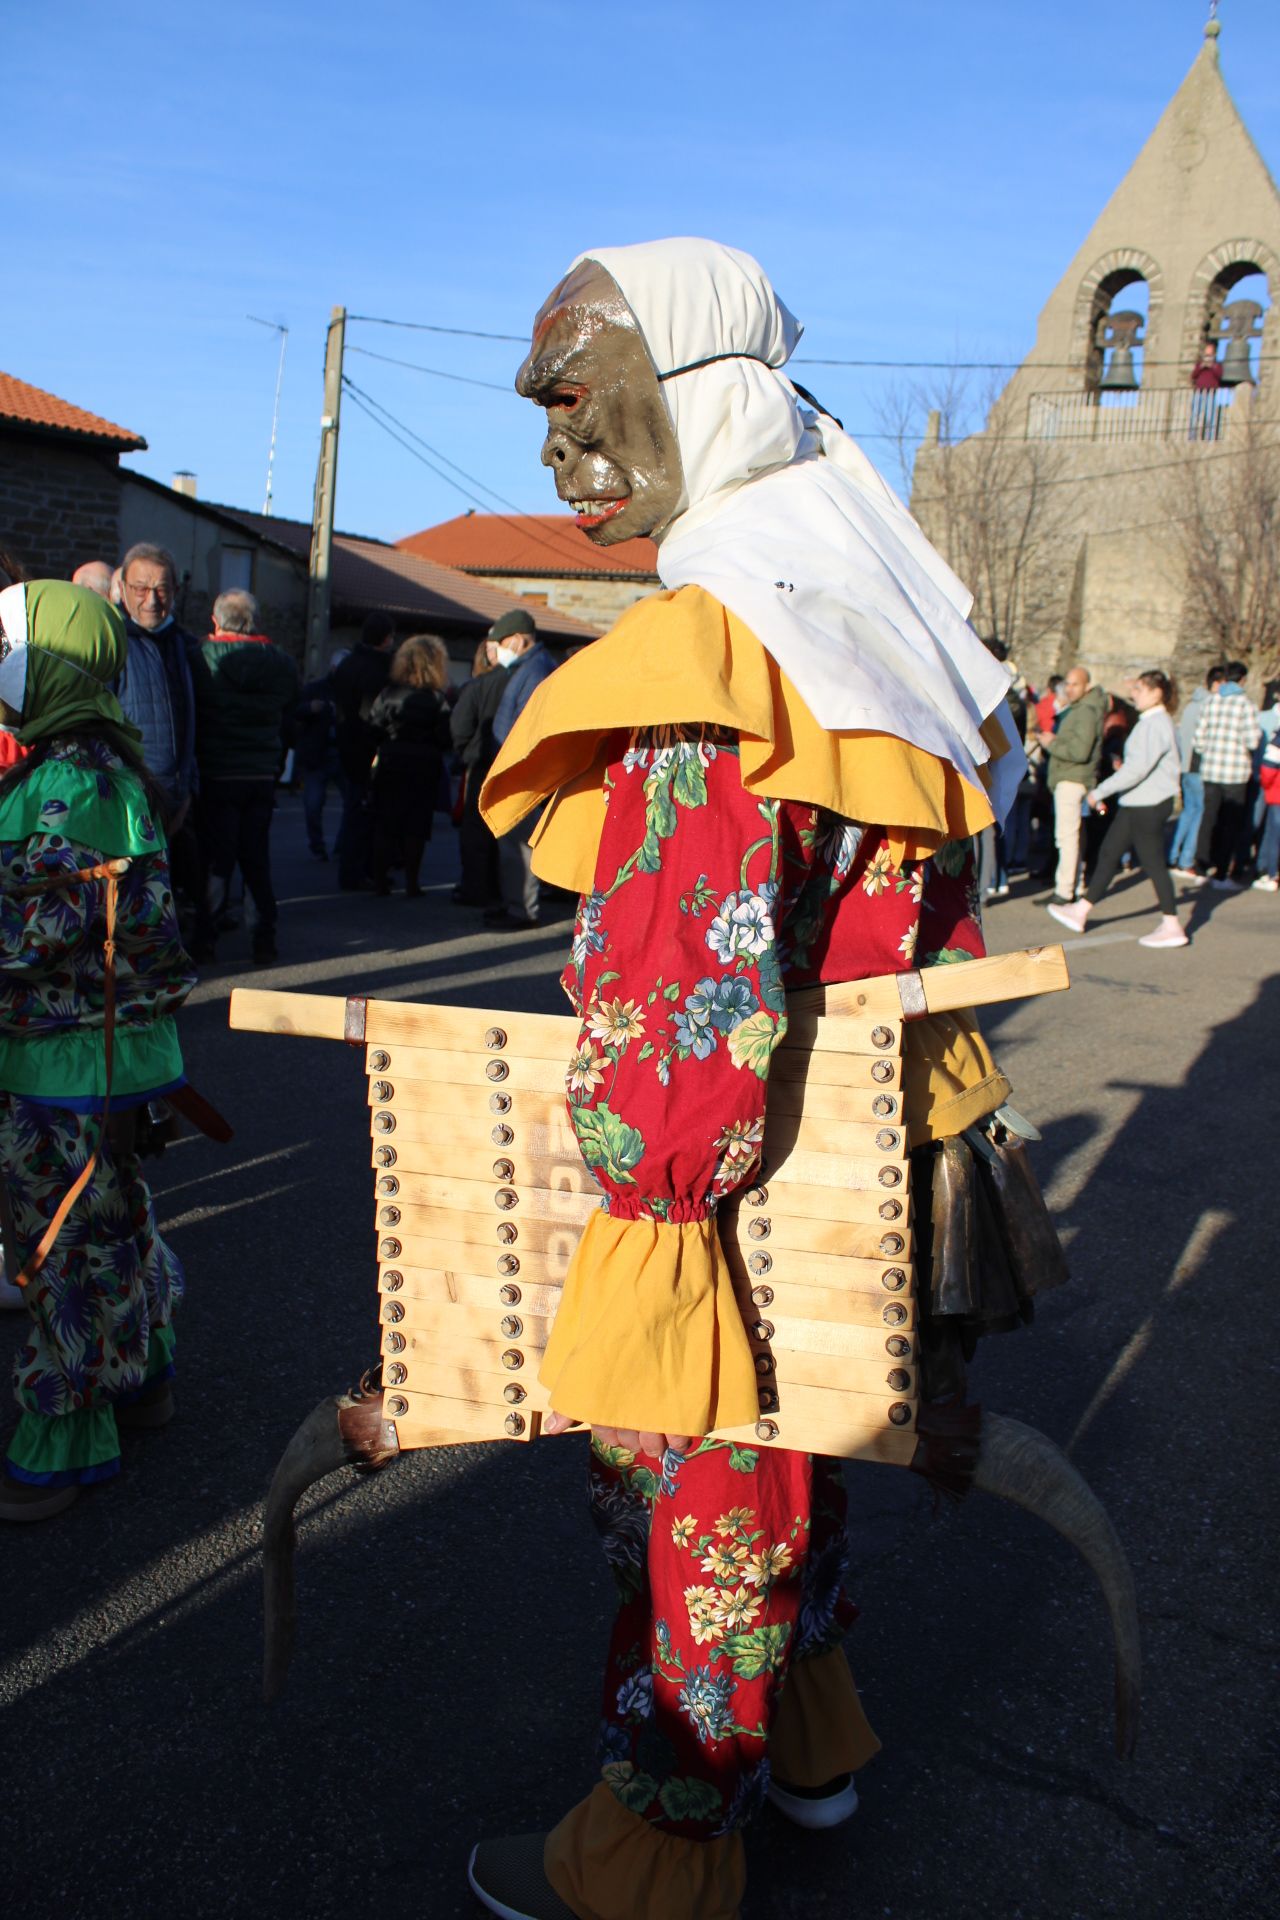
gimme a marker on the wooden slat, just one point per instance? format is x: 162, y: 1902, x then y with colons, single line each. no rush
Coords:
x: 476, y: 1418
x: 795, y: 1173
x: 474, y: 1108
x: 450, y: 1321
x: 835, y: 1305
x: 437, y: 1067
x: 540, y: 1122
x: 857, y: 1206
x: 535, y: 1036
x: 544, y: 1155
x: 452, y: 1231
x: 475, y: 1196
x: 475, y: 1164
x: 842, y: 1180
x: 947, y: 989
x: 428, y: 1287
x: 827, y: 1069
x: 976, y: 983
x: 312, y: 1016
x: 807, y: 1103
x: 843, y: 1436
x: 430, y: 1366
x: 837, y: 1372
x: 837, y: 1337
x: 460, y: 1382
x: 798, y: 1235
x: 816, y: 1101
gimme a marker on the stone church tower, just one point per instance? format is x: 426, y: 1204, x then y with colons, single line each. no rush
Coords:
x: 1100, y: 434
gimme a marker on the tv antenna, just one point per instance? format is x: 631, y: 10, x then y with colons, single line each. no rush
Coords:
x: 274, y: 326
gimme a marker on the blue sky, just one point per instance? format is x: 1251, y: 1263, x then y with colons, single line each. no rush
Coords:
x: 914, y: 177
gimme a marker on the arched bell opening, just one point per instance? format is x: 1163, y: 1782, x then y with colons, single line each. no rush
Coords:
x: 1117, y: 337
x: 1229, y: 343
x: 1235, y: 322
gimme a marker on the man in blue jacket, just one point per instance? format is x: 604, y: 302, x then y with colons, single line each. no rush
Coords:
x: 156, y: 692
x: 520, y: 649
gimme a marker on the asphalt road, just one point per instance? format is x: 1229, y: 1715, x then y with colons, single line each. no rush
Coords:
x: 453, y: 1608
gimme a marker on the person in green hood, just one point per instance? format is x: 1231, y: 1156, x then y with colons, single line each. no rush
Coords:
x: 92, y: 970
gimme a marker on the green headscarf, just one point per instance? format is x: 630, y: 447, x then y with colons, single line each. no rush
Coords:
x: 75, y: 644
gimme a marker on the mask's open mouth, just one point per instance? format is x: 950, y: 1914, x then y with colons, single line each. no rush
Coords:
x: 594, y: 513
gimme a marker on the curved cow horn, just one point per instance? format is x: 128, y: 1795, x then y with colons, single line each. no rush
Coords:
x: 347, y: 1429
x: 1020, y: 1464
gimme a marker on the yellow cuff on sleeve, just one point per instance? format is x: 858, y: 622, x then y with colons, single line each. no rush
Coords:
x: 648, y: 1333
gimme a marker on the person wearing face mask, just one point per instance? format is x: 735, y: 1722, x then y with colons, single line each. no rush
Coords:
x: 528, y: 663
x: 766, y: 776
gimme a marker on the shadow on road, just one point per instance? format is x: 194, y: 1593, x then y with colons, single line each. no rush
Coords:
x: 453, y: 1609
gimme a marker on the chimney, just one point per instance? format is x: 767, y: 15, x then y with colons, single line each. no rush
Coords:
x: 185, y: 482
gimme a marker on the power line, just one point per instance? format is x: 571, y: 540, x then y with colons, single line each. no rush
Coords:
x: 992, y: 366
x: 856, y: 433
x: 558, y: 547
x: 416, y: 366
x: 804, y: 360
x: 427, y: 326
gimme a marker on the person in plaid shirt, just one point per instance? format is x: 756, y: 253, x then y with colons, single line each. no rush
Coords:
x: 1228, y: 732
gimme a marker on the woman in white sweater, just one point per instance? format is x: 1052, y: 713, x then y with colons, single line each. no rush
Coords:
x: 1146, y: 781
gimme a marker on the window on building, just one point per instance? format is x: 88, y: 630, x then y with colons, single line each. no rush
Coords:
x: 235, y: 569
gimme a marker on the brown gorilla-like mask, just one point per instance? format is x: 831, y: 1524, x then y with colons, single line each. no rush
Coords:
x: 610, y: 443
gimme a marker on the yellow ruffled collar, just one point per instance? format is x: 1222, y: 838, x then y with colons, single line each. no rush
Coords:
x: 683, y: 658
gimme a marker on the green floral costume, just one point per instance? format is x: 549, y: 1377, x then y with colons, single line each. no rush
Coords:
x: 101, y: 1305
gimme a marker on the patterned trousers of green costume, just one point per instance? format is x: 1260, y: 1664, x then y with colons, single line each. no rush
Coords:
x: 100, y: 1308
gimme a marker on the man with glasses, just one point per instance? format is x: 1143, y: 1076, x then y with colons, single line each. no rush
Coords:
x: 155, y: 691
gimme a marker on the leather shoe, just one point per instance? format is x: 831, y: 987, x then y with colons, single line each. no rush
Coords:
x: 504, y: 922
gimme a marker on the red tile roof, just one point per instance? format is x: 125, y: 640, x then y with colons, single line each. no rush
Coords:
x: 369, y: 574
x: 28, y: 406
x: 528, y: 543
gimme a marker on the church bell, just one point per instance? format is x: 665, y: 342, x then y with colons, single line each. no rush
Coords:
x: 1118, y: 334
x: 1238, y: 327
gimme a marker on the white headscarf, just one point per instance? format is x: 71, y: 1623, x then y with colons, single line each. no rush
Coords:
x: 13, y: 646
x: 785, y: 520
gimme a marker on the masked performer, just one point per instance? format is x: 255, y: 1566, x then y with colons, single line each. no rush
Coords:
x: 764, y: 777
x: 92, y: 970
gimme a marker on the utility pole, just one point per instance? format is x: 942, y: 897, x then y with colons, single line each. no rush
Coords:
x: 322, y: 514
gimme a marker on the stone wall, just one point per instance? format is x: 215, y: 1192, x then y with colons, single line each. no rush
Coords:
x: 59, y: 504
x: 598, y: 599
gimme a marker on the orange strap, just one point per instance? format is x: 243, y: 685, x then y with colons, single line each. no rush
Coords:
x: 110, y: 871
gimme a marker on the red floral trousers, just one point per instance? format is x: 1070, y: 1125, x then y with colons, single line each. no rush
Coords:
x: 729, y: 1564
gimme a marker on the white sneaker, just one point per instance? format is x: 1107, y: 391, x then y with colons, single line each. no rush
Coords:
x: 820, y: 1808
x: 1165, y: 937
x: 1073, y: 916
x: 1266, y: 883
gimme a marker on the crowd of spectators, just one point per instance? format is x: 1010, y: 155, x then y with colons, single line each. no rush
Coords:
x: 399, y: 742
x: 1190, y: 795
